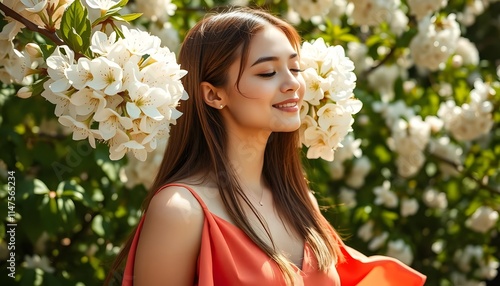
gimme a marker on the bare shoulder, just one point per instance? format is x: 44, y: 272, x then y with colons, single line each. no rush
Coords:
x: 175, y: 204
x: 170, y: 239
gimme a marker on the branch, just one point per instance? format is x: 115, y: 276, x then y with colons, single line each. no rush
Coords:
x: 30, y: 25
x: 460, y: 168
x: 379, y: 64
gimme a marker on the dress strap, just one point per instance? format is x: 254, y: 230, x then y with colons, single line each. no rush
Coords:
x: 195, y: 195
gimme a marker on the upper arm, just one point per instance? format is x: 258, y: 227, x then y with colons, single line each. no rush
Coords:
x: 170, y: 239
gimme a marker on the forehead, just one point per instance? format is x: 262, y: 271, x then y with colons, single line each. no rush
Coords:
x: 270, y: 41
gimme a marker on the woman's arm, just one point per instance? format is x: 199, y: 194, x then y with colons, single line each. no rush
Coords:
x: 170, y: 239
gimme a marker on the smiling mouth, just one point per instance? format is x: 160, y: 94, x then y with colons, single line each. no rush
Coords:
x: 285, y: 105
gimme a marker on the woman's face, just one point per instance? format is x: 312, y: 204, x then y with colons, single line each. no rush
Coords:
x: 271, y: 87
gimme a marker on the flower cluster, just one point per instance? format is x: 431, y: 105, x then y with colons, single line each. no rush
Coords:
x: 470, y: 120
x: 435, y: 42
x: 329, y: 103
x: 17, y: 64
x: 374, y: 12
x: 308, y: 9
x: 126, y: 95
x: 422, y: 8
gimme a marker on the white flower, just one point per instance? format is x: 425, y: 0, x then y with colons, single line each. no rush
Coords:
x: 373, y: 12
x: 399, y: 22
x: 57, y: 64
x: 378, y: 241
x: 409, y: 139
x: 466, y: 122
x: 310, y: 8
x: 329, y: 101
x: 139, y: 42
x: 35, y: 261
x: 18, y: 65
x: 435, y: 42
x: 87, y: 101
x: 146, y: 100
x: 365, y: 232
x: 103, y: 5
x: 61, y: 100
x: 400, y: 250
x: 422, y: 8
x: 443, y: 148
x: 483, y: 219
x: 80, y: 130
x: 24, y: 92
x: 350, y: 148
x: 464, y: 257
x: 358, y: 53
x: 143, y: 173
x: 467, y: 51
x: 383, y: 78
x: 106, y: 76
x: 409, y: 207
x: 394, y: 111
x: 133, y: 146
x: 359, y: 171
x: 34, y: 6
x: 315, y: 86
x: 110, y: 121
x: 384, y: 196
x: 487, y: 270
x: 460, y: 279
x: 317, y: 142
x: 168, y: 35
x: 348, y: 197
x: 101, y: 44
x: 79, y: 75
x: 156, y: 10
x: 435, y: 199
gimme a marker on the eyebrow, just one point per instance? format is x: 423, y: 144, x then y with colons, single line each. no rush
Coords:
x: 266, y: 59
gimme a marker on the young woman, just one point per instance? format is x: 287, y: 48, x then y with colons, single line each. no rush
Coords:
x: 230, y: 204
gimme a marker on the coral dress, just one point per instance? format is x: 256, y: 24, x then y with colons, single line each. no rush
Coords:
x: 228, y: 257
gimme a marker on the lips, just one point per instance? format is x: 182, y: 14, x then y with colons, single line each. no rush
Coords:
x: 285, y: 105
x: 288, y: 105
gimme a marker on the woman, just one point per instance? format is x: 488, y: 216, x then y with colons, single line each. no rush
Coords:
x: 230, y: 204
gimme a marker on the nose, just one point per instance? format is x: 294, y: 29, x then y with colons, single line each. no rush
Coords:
x: 291, y: 82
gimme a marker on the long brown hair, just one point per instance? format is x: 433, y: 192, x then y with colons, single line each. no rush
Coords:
x: 198, y: 140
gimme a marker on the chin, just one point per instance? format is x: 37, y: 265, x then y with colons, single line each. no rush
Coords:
x: 290, y: 127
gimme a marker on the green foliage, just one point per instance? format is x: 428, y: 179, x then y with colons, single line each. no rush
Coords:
x: 75, y: 28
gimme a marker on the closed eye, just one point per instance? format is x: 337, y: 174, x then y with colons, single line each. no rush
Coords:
x: 296, y: 70
x: 267, y: 74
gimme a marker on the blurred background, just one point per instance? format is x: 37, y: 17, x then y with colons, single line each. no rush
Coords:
x: 417, y: 179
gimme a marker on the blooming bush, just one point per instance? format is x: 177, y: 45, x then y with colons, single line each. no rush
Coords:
x: 413, y: 174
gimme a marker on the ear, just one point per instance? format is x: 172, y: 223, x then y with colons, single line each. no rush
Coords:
x: 213, y: 96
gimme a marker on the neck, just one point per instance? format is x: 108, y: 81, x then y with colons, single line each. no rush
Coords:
x: 246, y: 154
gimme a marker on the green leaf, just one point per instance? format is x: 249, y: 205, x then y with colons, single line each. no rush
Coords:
x: 120, y: 4
x: 97, y: 225
x: 37, y: 87
x: 108, y: 14
x: 47, y: 50
x: 40, y: 188
x: 75, y: 27
x: 127, y: 17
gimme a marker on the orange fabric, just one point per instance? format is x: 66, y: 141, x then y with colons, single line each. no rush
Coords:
x: 229, y: 257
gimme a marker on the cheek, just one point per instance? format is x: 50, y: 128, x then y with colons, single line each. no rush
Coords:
x: 302, y: 89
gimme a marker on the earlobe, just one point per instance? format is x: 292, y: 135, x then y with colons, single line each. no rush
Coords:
x: 212, y: 95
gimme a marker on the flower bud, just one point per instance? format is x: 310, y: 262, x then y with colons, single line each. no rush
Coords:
x: 33, y: 51
x: 24, y: 92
